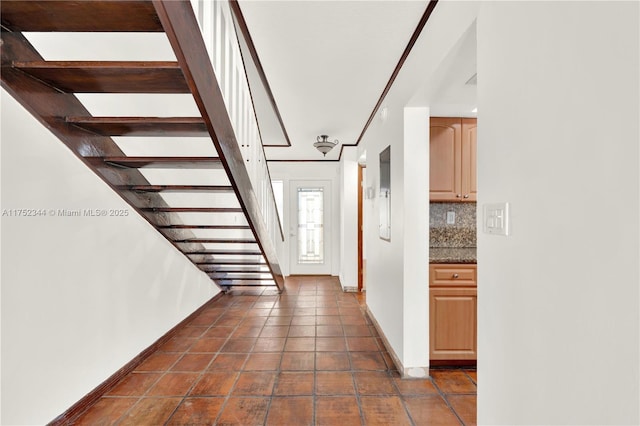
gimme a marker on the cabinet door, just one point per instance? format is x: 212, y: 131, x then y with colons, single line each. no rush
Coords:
x: 452, y: 325
x: 445, y: 154
x: 469, y: 160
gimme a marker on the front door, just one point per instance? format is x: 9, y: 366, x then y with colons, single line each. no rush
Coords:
x: 309, y: 228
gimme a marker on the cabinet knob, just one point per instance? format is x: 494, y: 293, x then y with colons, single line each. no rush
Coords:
x: 455, y: 275
x: 458, y: 195
x: 466, y: 196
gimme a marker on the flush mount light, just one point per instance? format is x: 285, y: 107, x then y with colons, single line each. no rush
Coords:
x: 324, y: 145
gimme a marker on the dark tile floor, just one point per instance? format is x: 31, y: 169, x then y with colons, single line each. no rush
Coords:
x: 307, y: 356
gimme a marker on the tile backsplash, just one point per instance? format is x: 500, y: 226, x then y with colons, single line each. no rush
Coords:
x: 460, y: 234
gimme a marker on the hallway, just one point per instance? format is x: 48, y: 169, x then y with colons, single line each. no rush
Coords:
x: 307, y: 356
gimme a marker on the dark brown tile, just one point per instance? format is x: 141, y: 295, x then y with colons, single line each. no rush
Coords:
x: 294, y: 383
x: 328, y: 320
x: 192, y: 331
x: 305, y: 310
x: 244, y: 411
x: 159, y: 361
x: 452, y: 381
x: 473, y: 374
x: 291, y: 411
x: 217, y: 383
x: 367, y: 361
x: 150, y: 411
x: 337, y: 411
x: 269, y: 344
x: 374, y: 383
x: 258, y: 312
x: 357, y: 331
x: 300, y: 344
x: 173, y: 384
x: 329, y: 331
x: 332, y: 361
x: 282, y: 312
x: 212, y: 344
x: 330, y: 344
x: 278, y: 320
x: 263, y: 361
x: 255, y: 384
x: 106, y: 411
x: 228, y: 362
x: 134, y: 384
x: 197, y: 411
x: 193, y: 362
x: 247, y: 331
x: 430, y: 410
x: 367, y: 344
x: 217, y: 331
x: 334, y: 383
x: 229, y: 320
x: 275, y: 331
x: 241, y: 344
x: 254, y: 322
x: 353, y: 320
x: 297, y: 361
x: 384, y: 410
x: 465, y: 407
x: 177, y: 344
x: 302, y: 331
x: 205, y: 319
x: 303, y: 320
x: 415, y: 386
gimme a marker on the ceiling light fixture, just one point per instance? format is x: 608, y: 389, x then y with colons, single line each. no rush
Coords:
x: 324, y: 145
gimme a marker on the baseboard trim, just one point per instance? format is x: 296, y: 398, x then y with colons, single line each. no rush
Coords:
x: 92, y: 397
x: 350, y: 289
x: 385, y: 342
x: 405, y: 373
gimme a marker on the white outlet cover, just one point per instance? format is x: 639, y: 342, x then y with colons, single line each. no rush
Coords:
x: 496, y: 219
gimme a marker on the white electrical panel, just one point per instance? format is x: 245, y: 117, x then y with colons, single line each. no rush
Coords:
x: 496, y: 219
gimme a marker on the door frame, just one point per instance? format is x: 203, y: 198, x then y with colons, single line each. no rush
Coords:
x: 326, y: 267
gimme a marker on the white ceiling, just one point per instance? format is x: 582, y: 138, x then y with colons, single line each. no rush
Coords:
x: 327, y: 63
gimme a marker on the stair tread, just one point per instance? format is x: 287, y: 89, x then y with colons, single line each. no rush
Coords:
x: 179, y: 188
x: 231, y: 262
x: 71, y: 16
x: 192, y: 209
x: 204, y: 227
x: 221, y: 252
x: 223, y: 278
x: 108, y: 76
x: 161, y: 162
x: 142, y: 126
x: 217, y: 241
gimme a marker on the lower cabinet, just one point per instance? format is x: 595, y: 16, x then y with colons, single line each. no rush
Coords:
x: 452, y: 312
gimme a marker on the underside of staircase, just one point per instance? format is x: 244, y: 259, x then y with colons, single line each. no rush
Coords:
x: 223, y: 233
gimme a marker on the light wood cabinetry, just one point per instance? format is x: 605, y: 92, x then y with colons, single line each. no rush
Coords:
x: 452, y: 159
x: 452, y: 312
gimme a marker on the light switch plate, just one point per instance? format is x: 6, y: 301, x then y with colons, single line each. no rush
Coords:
x: 496, y: 219
x: 451, y: 218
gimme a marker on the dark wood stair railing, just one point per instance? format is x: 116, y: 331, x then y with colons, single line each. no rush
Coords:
x: 46, y: 89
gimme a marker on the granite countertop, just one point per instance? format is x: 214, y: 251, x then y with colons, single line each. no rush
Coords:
x: 452, y: 255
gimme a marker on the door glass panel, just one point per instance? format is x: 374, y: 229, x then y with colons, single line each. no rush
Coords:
x: 310, y: 225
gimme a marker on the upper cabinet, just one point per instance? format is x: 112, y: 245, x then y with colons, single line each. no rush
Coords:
x: 453, y: 159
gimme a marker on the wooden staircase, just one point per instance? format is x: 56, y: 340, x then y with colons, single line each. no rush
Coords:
x: 244, y: 253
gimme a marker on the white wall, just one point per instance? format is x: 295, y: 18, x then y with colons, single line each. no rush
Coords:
x: 558, y: 300
x: 288, y: 171
x: 81, y: 296
x: 397, y: 270
x: 349, y: 218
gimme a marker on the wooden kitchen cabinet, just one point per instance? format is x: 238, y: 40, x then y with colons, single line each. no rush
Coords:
x: 452, y: 159
x: 452, y: 312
